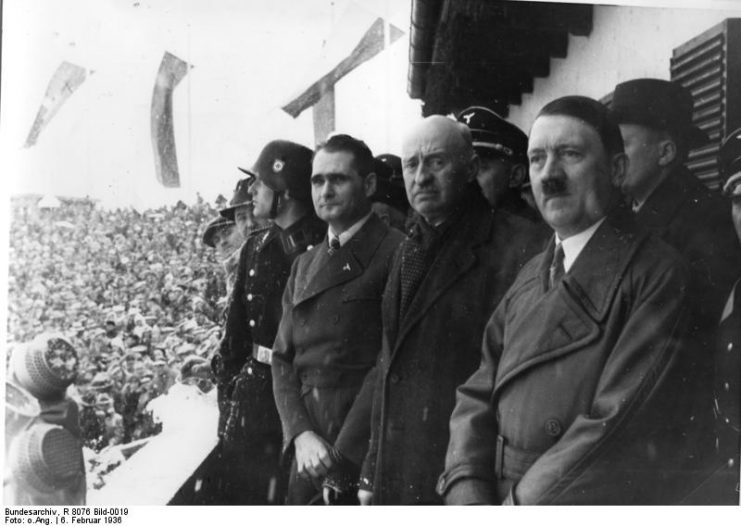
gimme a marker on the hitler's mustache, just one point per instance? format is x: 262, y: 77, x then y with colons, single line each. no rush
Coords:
x: 553, y: 186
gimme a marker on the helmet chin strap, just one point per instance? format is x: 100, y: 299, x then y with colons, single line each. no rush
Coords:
x: 277, y: 202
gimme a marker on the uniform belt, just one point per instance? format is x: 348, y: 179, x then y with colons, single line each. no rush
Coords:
x: 262, y: 354
x: 511, y: 462
x: 316, y: 377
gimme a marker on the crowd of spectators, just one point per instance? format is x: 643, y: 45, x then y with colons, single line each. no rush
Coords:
x: 136, y: 293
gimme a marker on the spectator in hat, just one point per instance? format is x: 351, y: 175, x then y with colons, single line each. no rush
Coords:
x: 389, y: 201
x: 342, y: 279
x: 249, y: 423
x: 113, y: 422
x: 655, y: 118
x: 239, y: 210
x: 503, y: 167
x: 722, y: 486
x: 92, y: 427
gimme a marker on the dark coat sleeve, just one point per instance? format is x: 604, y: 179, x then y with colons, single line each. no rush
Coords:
x: 286, y: 384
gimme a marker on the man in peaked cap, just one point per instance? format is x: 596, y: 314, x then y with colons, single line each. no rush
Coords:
x: 249, y: 423
x: 655, y: 119
x: 502, y: 151
x: 390, y: 201
x: 722, y: 486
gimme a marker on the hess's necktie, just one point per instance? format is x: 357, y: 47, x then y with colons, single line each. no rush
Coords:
x: 557, y: 269
x: 334, y: 245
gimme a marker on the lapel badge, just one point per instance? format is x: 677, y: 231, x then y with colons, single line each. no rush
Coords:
x: 278, y: 165
x: 346, y: 267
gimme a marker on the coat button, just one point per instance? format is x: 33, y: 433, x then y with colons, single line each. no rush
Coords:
x: 252, y: 323
x: 394, y: 378
x: 252, y: 272
x: 730, y: 347
x: 726, y: 386
x: 309, y: 247
x: 249, y: 297
x: 553, y: 427
x: 731, y: 462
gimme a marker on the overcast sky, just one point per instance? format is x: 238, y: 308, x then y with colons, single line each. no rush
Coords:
x: 248, y: 58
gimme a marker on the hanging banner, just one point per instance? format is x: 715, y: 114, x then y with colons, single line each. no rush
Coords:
x: 171, y: 72
x: 337, y: 63
x: 62, y: 85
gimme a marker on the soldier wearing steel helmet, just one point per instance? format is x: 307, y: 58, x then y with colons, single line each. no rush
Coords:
x: 251, y: 432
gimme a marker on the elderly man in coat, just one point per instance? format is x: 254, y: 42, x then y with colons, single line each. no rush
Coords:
x: 581, y: 393
x: 447, y: 278
x: 330, y: 332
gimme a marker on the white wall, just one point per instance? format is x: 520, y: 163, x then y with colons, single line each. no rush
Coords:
x: 626, y: 42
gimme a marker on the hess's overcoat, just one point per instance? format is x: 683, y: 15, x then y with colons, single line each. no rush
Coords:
x: 330, y: 335
x: 581, y: 396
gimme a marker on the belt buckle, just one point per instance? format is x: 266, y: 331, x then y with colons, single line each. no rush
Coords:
x: 499, y: 458
x: 264, y: 355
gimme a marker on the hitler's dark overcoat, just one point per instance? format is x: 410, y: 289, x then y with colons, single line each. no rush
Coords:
x: 581, y: 396
x: 435, y: 347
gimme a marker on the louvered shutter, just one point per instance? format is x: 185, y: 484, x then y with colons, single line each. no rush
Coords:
x: 709, y: 66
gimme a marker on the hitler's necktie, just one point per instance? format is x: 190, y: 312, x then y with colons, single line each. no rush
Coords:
x: 334, y: 245
x: 557, y: 269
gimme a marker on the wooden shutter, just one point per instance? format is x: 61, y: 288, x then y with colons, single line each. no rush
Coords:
x: 709, y: 66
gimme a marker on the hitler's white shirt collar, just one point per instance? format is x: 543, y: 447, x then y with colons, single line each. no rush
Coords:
x: 347, y: 235
x: 573, y: 245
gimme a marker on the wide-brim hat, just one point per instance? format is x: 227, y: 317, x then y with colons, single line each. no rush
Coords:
x: 241, y: 197
x: 658, y: 104
x: 493, y: 135
x: 214, y: 226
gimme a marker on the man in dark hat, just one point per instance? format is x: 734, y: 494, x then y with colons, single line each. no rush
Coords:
x: 390, y: 199
x: 223, y: 235
x: 502, y: 151
x: 340, y: 280
x: 250, y: 427
x: 655, y: 119
x: 239, y: 210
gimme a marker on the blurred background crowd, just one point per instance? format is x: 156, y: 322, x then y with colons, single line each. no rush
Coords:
x: 137, y: 294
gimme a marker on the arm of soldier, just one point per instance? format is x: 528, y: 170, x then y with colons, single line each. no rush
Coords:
x: 603, y: 450
x: 233, y: 352
x: 312, y: 452
x: 469, y: 462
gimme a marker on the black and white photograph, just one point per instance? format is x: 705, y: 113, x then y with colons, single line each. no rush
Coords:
x: 370, y: 253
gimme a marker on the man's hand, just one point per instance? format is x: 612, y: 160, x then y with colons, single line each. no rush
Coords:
x: 314, y: 455
x: 365, y: 497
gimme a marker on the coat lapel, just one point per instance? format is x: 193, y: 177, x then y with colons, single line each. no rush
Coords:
x: 568, y: 316
x: 325, y: 271
x: 455, y: 258
x: 664, y: 203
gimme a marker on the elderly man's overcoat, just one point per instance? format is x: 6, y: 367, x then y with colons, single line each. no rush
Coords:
x: 329, y: 338
x: 435, y: 347
x: 581, y: 396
